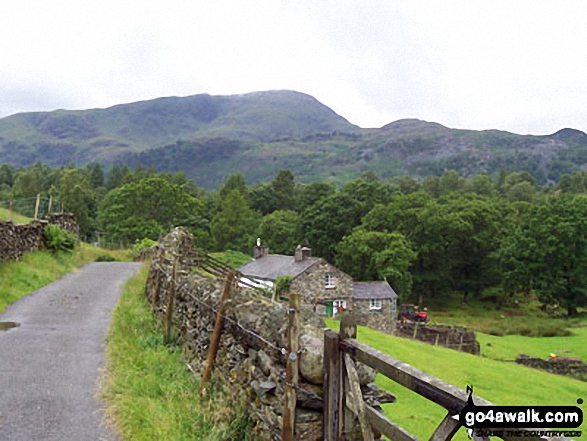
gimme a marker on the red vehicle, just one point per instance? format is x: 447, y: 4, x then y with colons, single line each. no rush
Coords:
x: 410, y: 312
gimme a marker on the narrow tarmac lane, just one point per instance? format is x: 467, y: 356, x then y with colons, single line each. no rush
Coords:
x: 50, y: 363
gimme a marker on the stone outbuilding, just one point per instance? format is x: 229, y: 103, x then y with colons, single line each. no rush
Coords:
x: 329, y: 290
x: 374, y: 304
x: 319, y: 283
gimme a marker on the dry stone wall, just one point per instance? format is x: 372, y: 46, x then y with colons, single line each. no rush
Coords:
x: 251, y: 355
x: 17, y: 239
x: 65, y: 221
x: 449, y: 336
x: 555, y: 366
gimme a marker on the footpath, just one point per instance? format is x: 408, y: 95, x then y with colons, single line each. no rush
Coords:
x: 52, y: 348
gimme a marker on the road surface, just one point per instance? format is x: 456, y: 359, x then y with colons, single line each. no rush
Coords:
x: 50, y: 364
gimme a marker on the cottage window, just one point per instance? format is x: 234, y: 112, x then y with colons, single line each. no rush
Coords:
x: 329, y: 281
x: 339, y: 304
x: 375, y: 304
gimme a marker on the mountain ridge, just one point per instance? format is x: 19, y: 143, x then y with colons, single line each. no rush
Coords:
x: 219, y: 135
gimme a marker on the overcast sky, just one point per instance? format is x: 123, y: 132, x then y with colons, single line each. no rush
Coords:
x: 516, y: 65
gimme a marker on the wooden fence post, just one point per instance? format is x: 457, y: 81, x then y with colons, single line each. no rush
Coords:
x: 10, y: 210
x: 157, y: 286
x: 37, y: 205
x: 348, y: 329
x: 215, y: 338
x: 50, y: 204
x: 355, y: 402
x: 332, y: 386
x: 292, y: 365
x: 169, y: 312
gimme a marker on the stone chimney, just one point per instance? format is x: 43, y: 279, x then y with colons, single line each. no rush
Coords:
x: 259, y: 250
x: 302, y: 253
x: 298, y: 254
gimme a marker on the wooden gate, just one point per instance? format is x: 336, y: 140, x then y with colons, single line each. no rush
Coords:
x: 343, y: 403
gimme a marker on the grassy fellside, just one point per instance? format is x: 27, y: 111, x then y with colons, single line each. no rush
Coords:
x: 522, y: 318
x: 150, y: 392
x: 234, y: 259
x: 499, y: 382
x: 15, y: 217
x: 39, y: 268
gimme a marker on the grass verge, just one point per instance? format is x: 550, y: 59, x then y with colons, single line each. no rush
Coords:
x: 149, y: 390
x: 497, y: 381
x: 39, y: 268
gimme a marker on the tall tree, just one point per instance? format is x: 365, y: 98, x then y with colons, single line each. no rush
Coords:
x: 284, y: 186
x: 369, y: 192
x: 450, y: 181
x: 146, y: 208
x: 482, y: 185
x: 557, y: 232
x: 312, y: 193
x: 97, y: 175
x: 235, y: 225
x: 370, y: 255
x: 262, y: 198
x: 237, y: 182
x: 6, y: 175
x: 76, y: 193
x: 328, y: 220
x: 282, y: 231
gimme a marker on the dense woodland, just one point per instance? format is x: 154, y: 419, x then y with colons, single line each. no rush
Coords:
x: 483, y: 237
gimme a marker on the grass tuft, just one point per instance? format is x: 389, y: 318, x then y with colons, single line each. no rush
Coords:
x: 150, y: 392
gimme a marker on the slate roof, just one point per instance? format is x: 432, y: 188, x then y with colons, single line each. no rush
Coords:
x: 373, y: 290
x: 272, y: 266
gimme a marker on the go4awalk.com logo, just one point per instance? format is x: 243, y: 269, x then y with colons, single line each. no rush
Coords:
x: 521, y: 417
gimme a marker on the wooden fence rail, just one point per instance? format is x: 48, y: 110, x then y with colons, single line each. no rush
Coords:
x: 342, y: 406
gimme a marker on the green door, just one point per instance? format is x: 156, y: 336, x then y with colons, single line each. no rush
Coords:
x: 329, y: 308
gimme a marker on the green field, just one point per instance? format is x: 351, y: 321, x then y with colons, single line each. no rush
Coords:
x: 16, y: 218
x: 508, y: 347
x: 234, y: 259
x: 500, y: 382
x: 525, y: 318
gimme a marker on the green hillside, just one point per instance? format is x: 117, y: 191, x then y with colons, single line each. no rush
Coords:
x: 257, y: 134
x: 15, y: 217
x: 341, y: 157
x: 62, y: 136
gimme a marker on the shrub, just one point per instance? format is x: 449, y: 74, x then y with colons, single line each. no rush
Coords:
x: 106, y: 258
x: 55, y: 239
x: 142, y: 245
x: 283, y: 283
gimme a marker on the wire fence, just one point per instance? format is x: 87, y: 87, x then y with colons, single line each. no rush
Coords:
x: 281, y: 351
x: 40, y: 205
